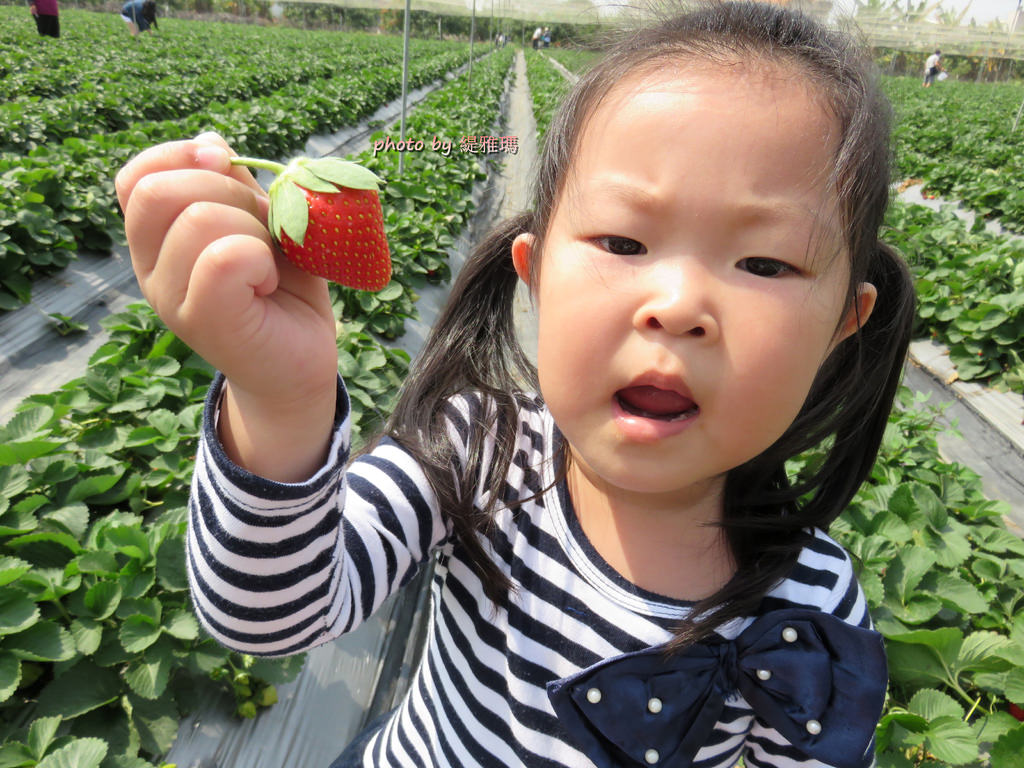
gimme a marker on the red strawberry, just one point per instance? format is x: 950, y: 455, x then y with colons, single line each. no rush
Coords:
x: 1017, y: 711
x: 325, y: 215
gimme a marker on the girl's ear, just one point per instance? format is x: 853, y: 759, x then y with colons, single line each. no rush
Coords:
x: 522, y: 254
x: 858, y: 314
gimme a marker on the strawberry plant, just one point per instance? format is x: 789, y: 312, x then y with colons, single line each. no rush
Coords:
x: 944, y: 580
x: 576, y: 60
x: 958, y: 139
x: 970, y: 289
x: 547, y: 87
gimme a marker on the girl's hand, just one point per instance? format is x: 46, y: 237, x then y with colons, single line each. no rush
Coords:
x: 196, y: 228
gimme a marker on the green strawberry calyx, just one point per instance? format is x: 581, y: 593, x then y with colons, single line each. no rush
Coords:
x: 289, y: 211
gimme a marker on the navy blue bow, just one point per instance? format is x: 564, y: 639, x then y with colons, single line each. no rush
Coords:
x: 817, y: 680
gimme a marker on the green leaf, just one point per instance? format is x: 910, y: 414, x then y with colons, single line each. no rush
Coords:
x: 104, y: 381
x: 988, y: 729
x: 907, y: 571
x: 894, y: 760
x: 102, y: 599
x: 15, y: 755
x: 182, y: 625
x: 951, y: 740
x: 10, y: 675
x: 1015, y: 685
x: 924, y: 655
x: 291, y: 212
x: 41, y: 733
x: 21, y: 453
x: 97, y: 562
x: 209, y: 654
x: 73, y: 518
x: 148, y: 675
x: 165, y: 422
x: 343, y: 173
x: 931, y: 704
x: 171, y: 570
x: 391, y: 292
x: 80, y: 753
x: 27, y: 424
x: 1000, y: 540
x: 892, y: 528
x: 87, y: 634
x: 279, y: 670
x: 299, y: 175
x: 902, y: 502
x: 93, y: 486
x: 43, y: 641
x: 930, y: 504
x: 52, y: 549
x: 129, y: 540
x: 17, y: 612
x: 157, y: 723
x: 982, y: 651
x: 20, y: 518
x: 961, y: 595
x: 82, y: 688
x: 1007, y: 751
x: 12, y: 569
x: 139, y: 632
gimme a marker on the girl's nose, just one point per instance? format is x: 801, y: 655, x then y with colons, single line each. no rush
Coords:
x: 680, y: 303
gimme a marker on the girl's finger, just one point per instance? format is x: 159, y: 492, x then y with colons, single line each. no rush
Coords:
x: 239, y: 172
x: 222, y: 301
x: 159, y: 199
x: 208, y: 152
x: 171, y: 155
x: 191, y: 234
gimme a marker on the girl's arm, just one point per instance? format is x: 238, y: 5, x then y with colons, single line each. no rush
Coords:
x: 277, y: 568
x: 285, y: 549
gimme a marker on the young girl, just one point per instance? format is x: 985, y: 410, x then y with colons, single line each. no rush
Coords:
x: 624, y: 573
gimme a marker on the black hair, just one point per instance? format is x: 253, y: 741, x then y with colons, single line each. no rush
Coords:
x: 149, y: 11
x: 766, y: 515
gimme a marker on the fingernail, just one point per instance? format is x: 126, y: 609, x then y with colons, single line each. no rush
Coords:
x: 208, y: 136
x: 211, y: 157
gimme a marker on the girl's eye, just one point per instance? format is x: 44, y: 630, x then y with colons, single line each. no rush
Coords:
x: 766, y: 267
x: 621, y: 246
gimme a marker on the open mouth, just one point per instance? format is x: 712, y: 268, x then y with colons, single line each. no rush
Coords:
x: 655, y: 403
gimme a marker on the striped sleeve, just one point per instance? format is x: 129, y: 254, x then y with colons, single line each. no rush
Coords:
x: 278, y: 568
x: 823, y: 578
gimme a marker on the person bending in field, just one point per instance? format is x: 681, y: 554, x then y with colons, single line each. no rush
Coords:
x: 624, y: 572
x: 46, y: 16
x: 140, y: 15
x: 932, y: 67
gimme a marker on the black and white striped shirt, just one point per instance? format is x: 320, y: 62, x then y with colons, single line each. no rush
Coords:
x: 279, y: 568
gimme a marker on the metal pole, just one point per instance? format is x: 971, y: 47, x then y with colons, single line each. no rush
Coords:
x: 405, y: 83
x: 1017, y: 119
x: 472, y: 34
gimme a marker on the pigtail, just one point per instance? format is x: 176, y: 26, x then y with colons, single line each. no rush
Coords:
x: 472, y: 348
x: 877, y: 352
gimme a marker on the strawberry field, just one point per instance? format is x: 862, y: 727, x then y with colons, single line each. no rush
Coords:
x: 100, y: 656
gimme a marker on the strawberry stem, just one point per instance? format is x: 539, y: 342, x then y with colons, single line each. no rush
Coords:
x: 252, y: 162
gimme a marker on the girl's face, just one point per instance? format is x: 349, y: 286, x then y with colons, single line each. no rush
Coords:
x: 692, y: 279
